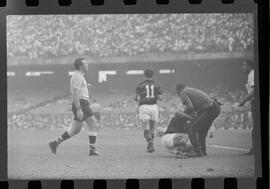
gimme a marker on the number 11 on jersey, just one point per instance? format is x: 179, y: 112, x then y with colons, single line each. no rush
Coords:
x: 150, y: 91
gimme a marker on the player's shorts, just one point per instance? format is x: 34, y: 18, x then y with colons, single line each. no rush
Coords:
x: 97, y: 116
x: 147, y: 112
x: 173, y: 140
x: 87, y: 112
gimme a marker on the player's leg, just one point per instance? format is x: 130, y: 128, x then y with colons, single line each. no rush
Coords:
x: 153, y: 119
x: 202, y: 134
x: 207, y: 122
x: 145, y: 122
x: 147, y: 134
x: 254, y: 130
x: 71, y: 131
x: 193, y: 129
x: 152, y: 124
x: 92, y: 126
x: 152, y: 127
x: 203, y: 131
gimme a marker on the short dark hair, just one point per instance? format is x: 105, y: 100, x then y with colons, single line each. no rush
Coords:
x: 148, y: 73
x: 78, y: 62
x: 180, y: 87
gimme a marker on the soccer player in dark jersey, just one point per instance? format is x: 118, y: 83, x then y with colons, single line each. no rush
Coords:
x: 147, y: 94
x: 204, y: 111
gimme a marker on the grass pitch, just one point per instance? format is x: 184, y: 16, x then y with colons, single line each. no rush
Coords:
x: 123, y: 156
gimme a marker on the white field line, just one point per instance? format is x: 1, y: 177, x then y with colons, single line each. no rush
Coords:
x: 228, y: 148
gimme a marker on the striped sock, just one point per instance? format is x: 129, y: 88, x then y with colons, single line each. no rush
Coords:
x: 92, y: 146
x: 63, y: 137
x: 92, y: 140
x: 59, y: 140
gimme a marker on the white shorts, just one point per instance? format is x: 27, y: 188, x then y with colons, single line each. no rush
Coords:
x: 147, y: 112
x: 168, y: 140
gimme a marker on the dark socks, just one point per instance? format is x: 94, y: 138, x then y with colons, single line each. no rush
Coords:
x: 92, y: 142
x: 148, y: 136
x: 153, y: 136
x: 63, y: 137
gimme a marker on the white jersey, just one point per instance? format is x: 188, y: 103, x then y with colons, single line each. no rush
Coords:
x: 250, y: 81
x: 78, y: 81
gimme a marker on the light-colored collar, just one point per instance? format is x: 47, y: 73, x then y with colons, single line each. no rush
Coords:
x: 79, y: 72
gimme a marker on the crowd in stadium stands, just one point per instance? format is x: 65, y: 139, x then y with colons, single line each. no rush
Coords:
x: 127, y: 35
x: 23, y: 102
x: 38, y: 121
x: 230, y: 118
x: 121, y: 101
x: 226, y: 120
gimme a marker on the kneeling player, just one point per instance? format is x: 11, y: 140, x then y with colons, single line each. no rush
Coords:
x: 175, y: 137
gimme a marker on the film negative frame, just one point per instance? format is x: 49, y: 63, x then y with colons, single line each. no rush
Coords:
x: 27, y: 7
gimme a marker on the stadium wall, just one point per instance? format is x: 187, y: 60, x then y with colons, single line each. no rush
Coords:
x: 149, y: 57
x: 199, y: 73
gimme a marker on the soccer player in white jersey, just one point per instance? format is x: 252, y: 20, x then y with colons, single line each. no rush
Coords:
x: 249, y: 68
x: 81, y: 109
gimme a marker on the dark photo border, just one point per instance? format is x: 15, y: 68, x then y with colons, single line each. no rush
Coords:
x: 261, y: 57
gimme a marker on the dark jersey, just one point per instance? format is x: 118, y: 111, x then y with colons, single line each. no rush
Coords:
x: 148, y: 91
x: 177, y: 125
x: 196, y: 97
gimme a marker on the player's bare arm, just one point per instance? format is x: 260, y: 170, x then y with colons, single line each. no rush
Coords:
x: 247, y: 98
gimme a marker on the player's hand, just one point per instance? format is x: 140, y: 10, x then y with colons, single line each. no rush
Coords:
x: 80, y: 114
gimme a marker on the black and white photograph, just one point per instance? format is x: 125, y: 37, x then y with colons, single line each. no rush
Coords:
x: 117, y: 96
